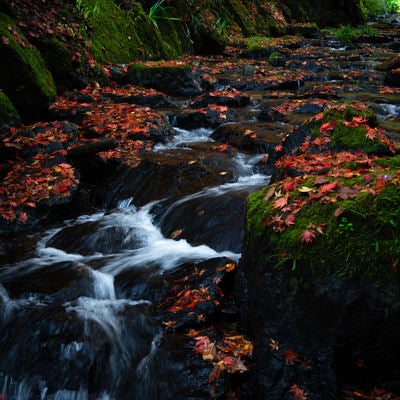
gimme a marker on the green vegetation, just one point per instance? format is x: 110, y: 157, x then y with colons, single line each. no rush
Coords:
x: 393, y: 5
x: 7, y: 109
x: 23, y: 74
x: 258, y: 42
x: 363, y: 240
x: 158, y: 11
x: 347, y: 33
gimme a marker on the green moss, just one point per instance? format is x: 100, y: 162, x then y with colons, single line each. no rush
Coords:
x: 23, y: 74
x: 349, y: 113
x: 363, y: 240
x: 112, y: 33
x: 7, y: 109
x: 389, y: 162
x: 57, y: 57
x: 258, y: 42
x: 346, y: 137
x: 122, y: 36
x: 277, y: 59
x: 242, y: 16
x: 348, y: 134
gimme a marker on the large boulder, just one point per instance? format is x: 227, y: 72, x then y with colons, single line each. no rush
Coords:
x: 318, y: 282
x: 8, y: 113
x: 176, y: 80
x: 23, y: 74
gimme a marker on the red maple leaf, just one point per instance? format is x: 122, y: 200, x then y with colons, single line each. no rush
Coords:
x: 290, y: 219
x: 307, y: 236
x: 327, y: 126
x: 327, y: 188
x: 291, y: 357
x: 298, y: 393
x: 281, y: 202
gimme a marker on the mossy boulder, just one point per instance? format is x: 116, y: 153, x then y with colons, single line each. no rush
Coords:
x: 23, y: 74
x: 8, y: 113
x: 175, y: 80
x: 58, y: 60
x: 351, y: 127
x: 340, y: 127
x: 319, y: 275
x: 123, y: 35
x: 277, y: 59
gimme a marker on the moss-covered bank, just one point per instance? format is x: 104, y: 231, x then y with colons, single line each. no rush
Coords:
x: 23, y: 74
x: 352, y: 231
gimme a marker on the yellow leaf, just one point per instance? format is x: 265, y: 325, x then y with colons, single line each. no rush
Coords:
x: 305, y: 189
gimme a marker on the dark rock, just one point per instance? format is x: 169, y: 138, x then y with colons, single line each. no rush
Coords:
x: 173, y: 80
x: 277, y: 59
x: 23, y: 74
x: 229, y: 98
x: 97, y: 237
x: 168, y: 173
x: 205, y: 118
x: 254, y: 137
x: 9, y: 116
x: 215, y: 219
x: 392, y: 77
x: 262, y: 53
x: 307, y: 30
x: 329, y: 324
x: 64, y: 281
x: 91, y: 148
x: 62, y: 336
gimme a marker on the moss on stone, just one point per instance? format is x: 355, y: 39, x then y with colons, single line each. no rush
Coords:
x: 7, y: 110
x: 364, y: 239
x: 122, y: 36
x: 242, y: 16
x: 23, y: 74
x: 348, y: 134
x: 277, y: 59
x: 57, y: 57
x: 112, y: 33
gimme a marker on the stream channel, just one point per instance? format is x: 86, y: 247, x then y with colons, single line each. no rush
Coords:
x: 79, y: 309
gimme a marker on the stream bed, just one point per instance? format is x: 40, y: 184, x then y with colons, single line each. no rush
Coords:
x: 83, y: 304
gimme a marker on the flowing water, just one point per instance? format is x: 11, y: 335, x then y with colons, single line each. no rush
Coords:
x: 79, y: 317
x: 69, y: 333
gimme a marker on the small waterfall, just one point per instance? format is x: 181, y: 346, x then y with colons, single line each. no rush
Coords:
x: 103, y: 285
x: 184, y: 136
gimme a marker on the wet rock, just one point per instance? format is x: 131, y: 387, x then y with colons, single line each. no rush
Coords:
x: 257, y: 54
x: 101, y: 236
x: 64, y: 281
x: 173, y: 80
x: 8, y: 115
x: 323, y: 329
x: 277, y: 59
x: 62, y: 336
x: 210, y: 117
x: 192, y: 293
x: 254, y: 137
x: 392, y: 77
x: 215, y: 220
x: 307, y: 30
x: 228, y: 97
x: 153, y: 100
x: 23, y: 73
x: 169, y: 173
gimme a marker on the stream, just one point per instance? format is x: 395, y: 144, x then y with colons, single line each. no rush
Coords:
x: 80, y: 316
x: 71, y: 314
